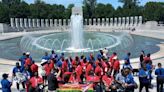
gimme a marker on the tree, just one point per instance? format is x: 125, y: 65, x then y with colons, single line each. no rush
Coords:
x: 154, y: 11
x: 69, y: 10
x: 89, y: 8
x: 4, y: 13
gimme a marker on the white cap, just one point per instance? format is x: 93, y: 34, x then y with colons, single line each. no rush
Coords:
x: 115, y: 57
x: 27, y: 53
x: 43, y: 61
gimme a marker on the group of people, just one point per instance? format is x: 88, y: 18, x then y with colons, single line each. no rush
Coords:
x: 103, y: 71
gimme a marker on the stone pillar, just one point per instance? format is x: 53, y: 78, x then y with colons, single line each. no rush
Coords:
x: 64, y: 22
x: 107, y: 22
x: 119, y: 21
x: 98, y: 22
x: 127, y: 21
x: 115, y: 22
x: 85, y: 21
x: 111, y: 21
x: 90, y: 21
x: 94, y: 21
x: 103, y: 22
x: 131, y: 21
x: 29, y: 22
x: 42, y: 23
x: 16, y: 22
x: 33, y: 23
x: 140, y: 20
x: 59, y: 22
x: 21, y: 22
x: 123, y: 21
x: 55, y: 22
x: 12, y: 22
x: 51, y: 22
x: 37, y: 22
x: 135, y: 21
x: 25, y: 23
x: 46, y: 22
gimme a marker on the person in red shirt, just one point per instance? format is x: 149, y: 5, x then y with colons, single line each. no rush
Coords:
x: 74, y: 78
x: 48, y: 68
x: 89, y: 68
x: 116, y: 66
x: 34, y: 68
x: 147, y: 59
x: 92, y: 78
x: 65, y: 67
x: 35, y: 82
x: 111, y: 59
x: 84, y: 64
x: 79, y: 71
x: 107, y: 80
x: 99, y: 70
x: 52, y: 63
x: 75, y: 62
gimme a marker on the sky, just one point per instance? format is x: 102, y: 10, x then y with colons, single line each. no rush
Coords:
x: 115, y: 3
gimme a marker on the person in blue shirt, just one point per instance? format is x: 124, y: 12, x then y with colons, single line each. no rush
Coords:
x: 160, y: 77
x: 22, y: 60
x: 129, y: 84
x: 17, y: 69
x: 127, y: 65
x: 6, y: 84
x: 127, y: 58
x: 144, y: 78
x: 46, y: 56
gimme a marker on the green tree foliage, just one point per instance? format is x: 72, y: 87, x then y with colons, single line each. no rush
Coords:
x: 89, y: 8
x: 4, y: 12
x: 154, y: 11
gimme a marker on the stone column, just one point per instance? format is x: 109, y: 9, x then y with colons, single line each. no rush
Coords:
x: 29, y: 22
x: 51, y: 22
x: 42, y: 23
x: 21, y: 22
x: 59, y: 22
x: 64, y: 22
x: 107, y: 22
x: 98, y: 22
x: 46, y: 21
x: 131, y: 21
x: 33, y: 23
x: 135, y: 21
x: 90, y: 21
x: 94, y: 21
x: 16, y: 22
x: 115, y: 22
x: 103, y: 22
x: 12, y: 22
x: 25, y: 23
x: 140, y: 20
x: 127, y: 21
x: 37, y: 22
x: 123, y: 21
x: 119, y: 21
x: 85, y: 21
x: 55, y: 22
x: 111, y: 21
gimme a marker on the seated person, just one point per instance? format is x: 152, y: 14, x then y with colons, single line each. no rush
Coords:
x: 74, y: 78
x: 108, y: 80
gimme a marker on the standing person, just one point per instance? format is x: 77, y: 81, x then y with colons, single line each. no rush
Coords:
x: 34, y: 68
x: 147, y: 59
x: 22, y: 60
x: 160, y: 77
x: 52, y: 80
x: 27, y: 75
x: 116, y: 66
x: 142, y: 55
x: 35, y: 83
x: 46, y: 56
x: 6, y: 84
x: 144, y: 78
x: 18, y: 76
x: 127, y: 58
